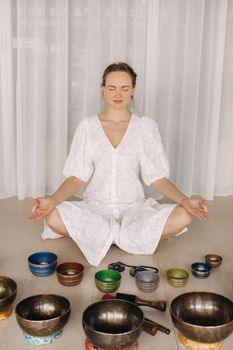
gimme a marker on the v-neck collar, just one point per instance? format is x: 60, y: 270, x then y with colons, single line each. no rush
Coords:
x: 124, y: 136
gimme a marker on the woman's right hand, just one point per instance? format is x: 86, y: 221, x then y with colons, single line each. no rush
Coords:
x: 43, y: 206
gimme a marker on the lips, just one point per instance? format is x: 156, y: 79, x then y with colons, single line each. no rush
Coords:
x: 118, y: 101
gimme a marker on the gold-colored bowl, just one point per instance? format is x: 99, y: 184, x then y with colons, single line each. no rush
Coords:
x: 177, y: 277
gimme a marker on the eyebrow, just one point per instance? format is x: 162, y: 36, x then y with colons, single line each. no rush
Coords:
x: 124, y: 86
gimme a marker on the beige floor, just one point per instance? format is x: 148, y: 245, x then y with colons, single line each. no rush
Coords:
x: 19, y: 239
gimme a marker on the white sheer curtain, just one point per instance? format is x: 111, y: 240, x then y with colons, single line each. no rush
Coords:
x: 53, y: 53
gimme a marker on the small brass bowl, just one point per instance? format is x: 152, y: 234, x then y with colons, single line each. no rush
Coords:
x: 107, y: 281
x: 203, y: 317
x: 8, y: 291
x: 70, y: 273
x: 43, y: 315
x: 42, y: 263
x: 213, y: 260
x: 177, y: 277
x: 200, y: 270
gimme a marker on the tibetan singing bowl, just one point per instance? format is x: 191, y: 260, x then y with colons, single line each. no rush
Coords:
x: 43, y: 315
x: 42, y: 263
x: 113, y: 324
x: 70, y: 273
x: 177, y: 277
x: 8, y: 290
x: 213, y: 260
x: 107, y: 281
x: 203, y: 317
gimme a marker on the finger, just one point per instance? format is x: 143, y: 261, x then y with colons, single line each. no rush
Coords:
x: 205, y: 208
x: 36, y: 201
x: 200, y: 215
x: 34, y: 209
x: 35, y: 217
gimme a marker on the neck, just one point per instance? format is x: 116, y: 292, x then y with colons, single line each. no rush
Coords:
x: 116, y: 114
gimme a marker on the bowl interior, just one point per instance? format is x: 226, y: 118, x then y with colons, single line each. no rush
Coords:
x: 42, y: 258
x: 113, y: 317
x: 200, y: 267
x: 147, y: 277
x: 203, y: 309
x: 213, y: 258
x: 42, y: 307
x: 177, y: 273
x: 108, y: 276
x: 70, y: 269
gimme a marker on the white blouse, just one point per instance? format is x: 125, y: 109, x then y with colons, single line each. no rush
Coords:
x: 114, y: 208
x: 113, y: 174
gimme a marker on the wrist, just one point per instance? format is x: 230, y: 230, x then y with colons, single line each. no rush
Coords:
x: 182, y: 200
x: 55, y: 200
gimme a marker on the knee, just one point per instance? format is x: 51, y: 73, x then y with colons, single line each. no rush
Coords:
x: 51, y: 219
x: 185, y: 217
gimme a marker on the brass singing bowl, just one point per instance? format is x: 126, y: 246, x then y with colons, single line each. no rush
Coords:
x: 113, y: 324
x: 203, y: 317
x: 43, y: 315
x: 8, y: 290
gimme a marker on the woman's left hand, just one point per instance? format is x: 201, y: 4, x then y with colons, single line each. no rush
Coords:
x: 196, y: 207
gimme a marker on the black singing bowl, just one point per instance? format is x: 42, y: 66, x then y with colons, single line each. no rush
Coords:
x: 113, y: 324
x: 8, y: 290
x: 202, y: 316
x: 42, y: 315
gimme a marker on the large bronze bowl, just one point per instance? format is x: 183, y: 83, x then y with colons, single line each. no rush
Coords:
x: 202, y: 316
x: 113, y: 324
x: 43, y: 315
x: 8, y: 290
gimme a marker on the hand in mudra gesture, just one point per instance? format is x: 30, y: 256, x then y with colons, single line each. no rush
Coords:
x: 43, y: 206
x: 196, y: 207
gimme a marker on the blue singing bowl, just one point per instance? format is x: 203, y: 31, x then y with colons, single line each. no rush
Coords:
x: 42, y: 263
x: 200, y: 269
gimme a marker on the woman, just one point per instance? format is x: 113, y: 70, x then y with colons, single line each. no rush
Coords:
x: 109, y: 153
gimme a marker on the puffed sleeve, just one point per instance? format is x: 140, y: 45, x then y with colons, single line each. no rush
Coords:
x: 154, y: 163
x: 79, y: 162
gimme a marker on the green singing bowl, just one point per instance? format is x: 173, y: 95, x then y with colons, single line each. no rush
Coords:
x: 113, y: 324
x: 8, y: 290
x: 177, y: 277
x: 107, y: 281
x: 203, y: 317
x: 43, y: 315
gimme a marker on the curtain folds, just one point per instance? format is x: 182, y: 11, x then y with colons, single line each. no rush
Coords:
x: 53, y: 53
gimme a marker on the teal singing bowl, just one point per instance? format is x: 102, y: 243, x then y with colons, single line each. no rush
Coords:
x: 107, y: 281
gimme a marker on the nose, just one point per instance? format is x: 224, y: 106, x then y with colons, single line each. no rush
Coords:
x: 118, y: 92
